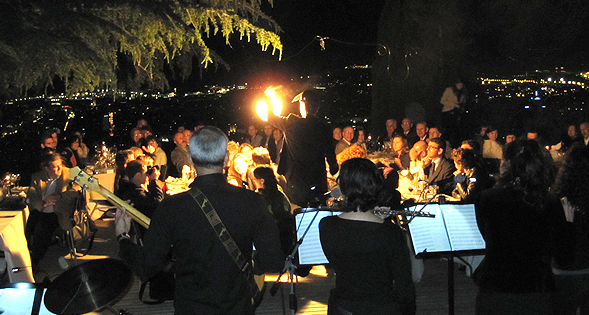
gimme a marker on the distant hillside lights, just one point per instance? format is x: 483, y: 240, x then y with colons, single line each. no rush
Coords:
x: 487, y: 81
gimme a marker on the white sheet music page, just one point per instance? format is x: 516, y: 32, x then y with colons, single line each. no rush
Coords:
x: 310, y: 251
x: 429, y: 234
x: 461, y: 224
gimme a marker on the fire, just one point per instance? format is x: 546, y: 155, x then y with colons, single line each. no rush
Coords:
x: 262, y: 106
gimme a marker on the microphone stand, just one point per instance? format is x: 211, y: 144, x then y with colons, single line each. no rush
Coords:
x: 291, y: 268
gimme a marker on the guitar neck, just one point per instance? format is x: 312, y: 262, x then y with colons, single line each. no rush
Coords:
x: 91, y: 184
x: 135, y: 214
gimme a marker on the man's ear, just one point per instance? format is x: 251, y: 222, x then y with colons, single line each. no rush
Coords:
x: 226, y: 161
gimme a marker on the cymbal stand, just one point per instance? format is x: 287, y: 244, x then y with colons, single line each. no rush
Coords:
x: 291, y: 268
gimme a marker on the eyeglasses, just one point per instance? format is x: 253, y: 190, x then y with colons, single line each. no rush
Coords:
x: 432, y: 147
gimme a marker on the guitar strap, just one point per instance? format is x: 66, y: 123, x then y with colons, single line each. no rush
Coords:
x: 246, y: 269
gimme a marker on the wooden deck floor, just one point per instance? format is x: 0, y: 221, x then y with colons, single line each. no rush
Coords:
x: 312, y: 291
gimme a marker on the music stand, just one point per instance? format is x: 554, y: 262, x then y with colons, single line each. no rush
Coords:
x: 452, y: 233
x: 309, y: 252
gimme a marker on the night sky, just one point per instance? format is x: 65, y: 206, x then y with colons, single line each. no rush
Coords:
x: 350, y: 25
x: 504, y: 36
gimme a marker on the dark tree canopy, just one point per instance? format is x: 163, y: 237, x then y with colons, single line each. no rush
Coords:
x: 87, y: 43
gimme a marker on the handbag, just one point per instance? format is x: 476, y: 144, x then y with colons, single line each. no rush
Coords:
x: 74, y: 219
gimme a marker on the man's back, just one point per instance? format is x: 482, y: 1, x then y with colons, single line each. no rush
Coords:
x: 308, y: 143
x: 208, y: 280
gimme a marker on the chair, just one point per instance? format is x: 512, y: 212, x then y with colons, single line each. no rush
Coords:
x: 98, y: 204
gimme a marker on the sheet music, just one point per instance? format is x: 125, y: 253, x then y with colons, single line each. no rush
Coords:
x: 429, y: 234
x: 461, y: 224
x: 310, y: 250
x: 453, y: 229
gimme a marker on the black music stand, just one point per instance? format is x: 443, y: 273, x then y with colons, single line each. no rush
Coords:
x: 309, y: 252
x: 451, y: 234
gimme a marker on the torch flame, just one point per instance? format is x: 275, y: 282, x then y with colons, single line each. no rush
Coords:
x: 262, y: 110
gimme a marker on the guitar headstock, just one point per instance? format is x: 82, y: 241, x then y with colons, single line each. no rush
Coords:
x: 84, y: 179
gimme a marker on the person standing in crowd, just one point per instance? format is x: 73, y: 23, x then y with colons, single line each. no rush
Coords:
x: 208, y: 280
x: 307, y: 146
x: 180, y: 155
x: 572, y: 278
x: 522, y: 224
x: 453, y: 101
x: 370, y: 255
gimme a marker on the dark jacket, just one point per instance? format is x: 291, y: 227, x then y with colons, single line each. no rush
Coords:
x: 208, y: 280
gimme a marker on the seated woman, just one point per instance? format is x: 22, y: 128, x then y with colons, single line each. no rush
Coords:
x: 400, y: 153
x: 278, y: 205
x: 236, y: 174
x: 369, y: 254
x: 70, y: 152
x: 469, y: 178
x: 492, y: 150
x: 523, y: 225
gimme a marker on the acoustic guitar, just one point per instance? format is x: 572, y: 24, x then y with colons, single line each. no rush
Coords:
x: 90, y: 183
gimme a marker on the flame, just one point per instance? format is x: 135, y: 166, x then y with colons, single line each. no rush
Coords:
x: 262, y: 110
x: 303, y: 109
x: 262, y: 106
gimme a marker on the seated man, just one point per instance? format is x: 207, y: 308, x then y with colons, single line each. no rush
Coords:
x: 43, y: 198
x: 438, y: 170
x: 141, y: 191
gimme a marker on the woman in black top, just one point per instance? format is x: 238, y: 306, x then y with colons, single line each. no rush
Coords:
x: 572, y: 278
x: 278, y: 204
x: 524, y: 226
x: 369, y: 254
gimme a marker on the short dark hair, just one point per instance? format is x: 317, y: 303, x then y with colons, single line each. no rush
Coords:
x: 51, y: 157
x: 266, y: 173
x: 152, y: 138
x: 441, y: 143
x: 133, y: 168
x: 45, y: 135
x: 361, y: 183
x: 466, y: 157
x: 72, y: 138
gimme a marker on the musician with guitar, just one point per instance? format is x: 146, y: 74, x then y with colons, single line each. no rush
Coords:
x: 211, y: 229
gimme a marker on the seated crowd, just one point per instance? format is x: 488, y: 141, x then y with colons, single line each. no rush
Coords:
x: 416, y: 151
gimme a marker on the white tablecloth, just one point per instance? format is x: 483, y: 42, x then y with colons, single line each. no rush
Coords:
x: 14, y: 245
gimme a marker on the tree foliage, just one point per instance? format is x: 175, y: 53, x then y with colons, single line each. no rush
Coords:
x: 83, y: 42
